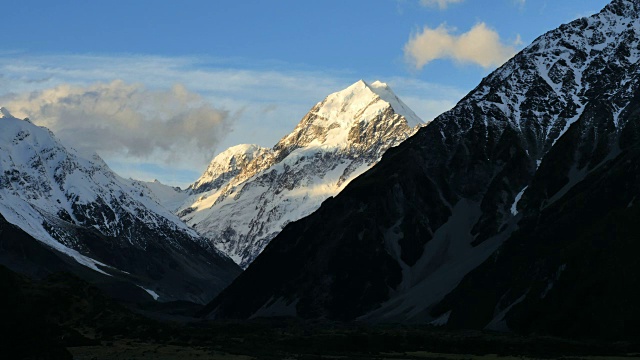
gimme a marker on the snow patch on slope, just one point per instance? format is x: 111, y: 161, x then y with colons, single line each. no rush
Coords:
x: 153, y: 294
x: 514, y: 206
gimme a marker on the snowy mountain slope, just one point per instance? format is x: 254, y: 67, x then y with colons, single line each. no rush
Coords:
x: 227, y: 165
x: 170, y: 197
x: 339, y: 139
x: 80, y: 207
x: 448, y: 203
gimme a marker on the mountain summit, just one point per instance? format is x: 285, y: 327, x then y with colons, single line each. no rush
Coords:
x: 514, y: 210
x: 252, y: 192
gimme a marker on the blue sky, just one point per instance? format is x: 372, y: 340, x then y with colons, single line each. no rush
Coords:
x: 132, y: 79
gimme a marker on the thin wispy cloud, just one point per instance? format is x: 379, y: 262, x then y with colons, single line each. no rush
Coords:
x: 260, y: 105
x: 244, y: 93
x: 441, y: 4
x: 481, y: 46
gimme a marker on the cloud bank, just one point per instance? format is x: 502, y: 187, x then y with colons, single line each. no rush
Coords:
x: 442, y: 4
x: 480, y: 45
x: 127, y: 120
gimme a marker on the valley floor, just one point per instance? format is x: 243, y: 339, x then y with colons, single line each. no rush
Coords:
x: 63, y: 317
x: 138, y: 351
x: 294, y: 339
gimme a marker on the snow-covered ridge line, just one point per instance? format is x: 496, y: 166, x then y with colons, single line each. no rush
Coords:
x: 564, y: 67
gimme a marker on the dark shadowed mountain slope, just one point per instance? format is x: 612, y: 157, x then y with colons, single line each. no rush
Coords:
x: 40, y: 318
x: 571, y: 268
x: 489, y: 177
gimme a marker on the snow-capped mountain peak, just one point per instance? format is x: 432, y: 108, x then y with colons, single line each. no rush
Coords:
x: 360, y: 101
x: 340, y: 138
x: 344, y: 106
x: 348, y: 117
x: 385, y: 93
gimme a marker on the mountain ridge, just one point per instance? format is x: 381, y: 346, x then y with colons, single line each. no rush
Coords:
x: 111, y: 225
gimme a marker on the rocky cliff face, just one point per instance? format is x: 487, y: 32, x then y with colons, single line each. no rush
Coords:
x: 494, y: 196
x: 265, y: 189
x: 78, y: 207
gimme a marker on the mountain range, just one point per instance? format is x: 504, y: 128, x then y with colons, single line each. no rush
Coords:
x: 513, y: 210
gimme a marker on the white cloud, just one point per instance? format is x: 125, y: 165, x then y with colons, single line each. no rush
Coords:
x: 520, y: 3
x: 480, y: 45
x: 442, y: 4
x: 245, y: 92
x: 129, y: 120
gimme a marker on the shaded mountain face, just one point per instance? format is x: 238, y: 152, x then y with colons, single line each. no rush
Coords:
x: 248, y: 193
x: 79, y: 209
x: 570, y: 269
x: 505, y: 194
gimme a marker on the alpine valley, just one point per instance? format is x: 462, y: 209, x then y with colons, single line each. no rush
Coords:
x: 514, y: 210
x: 364, y: 233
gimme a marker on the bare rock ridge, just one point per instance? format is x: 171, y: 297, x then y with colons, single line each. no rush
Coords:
x: 248, y: 194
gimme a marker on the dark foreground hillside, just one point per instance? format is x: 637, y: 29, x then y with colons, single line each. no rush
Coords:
x: 63, y: 317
